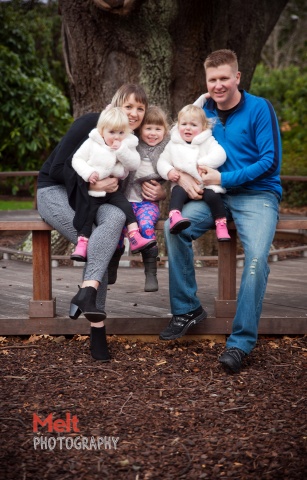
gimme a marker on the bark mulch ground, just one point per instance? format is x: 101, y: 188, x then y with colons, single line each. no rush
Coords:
x: 169, y: 408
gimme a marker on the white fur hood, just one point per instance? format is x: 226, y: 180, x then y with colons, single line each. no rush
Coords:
x: 95, y: 156
x: 185, y: 157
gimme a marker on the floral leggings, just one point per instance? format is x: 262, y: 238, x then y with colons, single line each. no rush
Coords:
x: 147, y: 215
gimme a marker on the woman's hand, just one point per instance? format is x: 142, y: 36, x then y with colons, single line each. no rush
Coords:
x: 153, y: 191
x: 191, y: 186
x: 109, y: 185
x: 210, y: 176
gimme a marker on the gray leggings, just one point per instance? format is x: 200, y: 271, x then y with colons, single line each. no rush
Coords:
x: 53, y: 207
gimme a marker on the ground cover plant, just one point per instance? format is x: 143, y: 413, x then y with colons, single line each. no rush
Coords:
x: 170, y: 408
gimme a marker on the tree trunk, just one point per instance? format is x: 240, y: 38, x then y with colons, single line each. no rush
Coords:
x: 160, y: 44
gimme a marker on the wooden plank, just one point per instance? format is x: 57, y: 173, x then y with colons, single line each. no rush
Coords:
x: 24, y: 225
x: 30, y: 219
x: 42, y: 283
x: 131, y: 310
x: 42, y: 304
x: 225, y: 308
x: 22, y: 220
x: 42, y: 308
x: 293, y: 178
x: 145, y: 326
x: 227, y: 268
x: 28, y: 173
x: 292, y: 224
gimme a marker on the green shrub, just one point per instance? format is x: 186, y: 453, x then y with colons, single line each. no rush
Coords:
x: 34, y: 112
x: 287, y: 91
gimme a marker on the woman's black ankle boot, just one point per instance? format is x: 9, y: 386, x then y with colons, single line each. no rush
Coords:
x: 99, y: 345
x: 113, y: 265
x: 85, y: 302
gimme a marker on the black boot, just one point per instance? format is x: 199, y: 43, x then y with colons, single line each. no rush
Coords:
x: 99, y: 345
x: 113, y: 265
x: 150, y: 258
x: 85, y: 302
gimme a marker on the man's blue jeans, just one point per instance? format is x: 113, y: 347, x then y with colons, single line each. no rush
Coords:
x: 255, y: 214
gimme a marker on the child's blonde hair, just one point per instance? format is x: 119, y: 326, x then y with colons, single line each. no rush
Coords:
x: 113, y: 118
x: 156, y: 116
x: 199, y: 112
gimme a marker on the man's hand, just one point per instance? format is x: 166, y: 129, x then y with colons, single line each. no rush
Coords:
x: 210, y: 176
x: 152, y: 191
x: 191, y: 186
x: 109, y: 185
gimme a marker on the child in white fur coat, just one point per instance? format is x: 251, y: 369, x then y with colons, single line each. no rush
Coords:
x: 110, y: 151
x: 192, y: 146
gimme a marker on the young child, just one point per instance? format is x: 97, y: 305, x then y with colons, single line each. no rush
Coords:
x: 110, y: 150
x: 154, y: 136
x: 192, y: 145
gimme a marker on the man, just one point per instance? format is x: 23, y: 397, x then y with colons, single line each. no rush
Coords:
x: 246, y: 126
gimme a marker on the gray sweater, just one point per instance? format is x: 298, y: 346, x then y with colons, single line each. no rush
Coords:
x: 145, y: 151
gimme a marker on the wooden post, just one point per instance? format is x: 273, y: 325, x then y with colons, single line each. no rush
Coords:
x: 225, y: 304
x: 42, y: 304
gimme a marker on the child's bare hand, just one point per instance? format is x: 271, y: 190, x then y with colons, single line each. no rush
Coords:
x: 210, y: 176
x: 93, y: 178
x: 173, y: 175
x: 116, y: 144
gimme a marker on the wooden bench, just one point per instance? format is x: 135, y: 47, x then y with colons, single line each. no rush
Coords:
x: 42, y: 307
x: 42, y: 304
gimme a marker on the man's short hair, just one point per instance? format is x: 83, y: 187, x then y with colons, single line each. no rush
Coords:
x: 221, y: 57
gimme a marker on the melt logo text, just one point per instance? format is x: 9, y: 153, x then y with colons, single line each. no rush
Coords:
x: 70, y: 424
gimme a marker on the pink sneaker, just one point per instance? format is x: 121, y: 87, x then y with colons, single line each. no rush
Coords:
x: 177, y: 222
x: 139, y: 243
x: 221, y: 230
x: 80, y: 251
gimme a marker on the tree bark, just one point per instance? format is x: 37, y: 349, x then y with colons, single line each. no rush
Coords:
x: 160, y: 44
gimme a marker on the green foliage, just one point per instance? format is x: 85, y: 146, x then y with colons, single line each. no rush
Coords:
x: 16, y: 204
x: 34, y: 113
x: 287, y: 91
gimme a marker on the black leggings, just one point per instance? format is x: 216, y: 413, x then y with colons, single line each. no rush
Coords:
x: 117, y: 199
x: 214, y: 200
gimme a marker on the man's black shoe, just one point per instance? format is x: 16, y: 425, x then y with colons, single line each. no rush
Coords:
x: 179, y: 324
x: 232, y: 359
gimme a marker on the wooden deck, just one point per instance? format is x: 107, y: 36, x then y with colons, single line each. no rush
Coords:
x: 131, y: 311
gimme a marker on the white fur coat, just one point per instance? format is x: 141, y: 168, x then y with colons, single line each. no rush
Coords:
x: 95, y: 156
x: 204, y: 150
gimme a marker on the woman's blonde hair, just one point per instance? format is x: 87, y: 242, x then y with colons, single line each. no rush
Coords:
x: 113, y: 118
x: 156, y: 116
x: 199, y: 112
x: 124, y: 92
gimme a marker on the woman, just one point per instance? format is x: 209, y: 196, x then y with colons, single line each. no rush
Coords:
x: 56, y: 199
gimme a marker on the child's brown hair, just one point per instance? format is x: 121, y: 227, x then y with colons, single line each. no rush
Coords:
x: 156, y: 116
